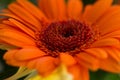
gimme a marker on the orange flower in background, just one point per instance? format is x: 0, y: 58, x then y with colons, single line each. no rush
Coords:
x: 59, y: 33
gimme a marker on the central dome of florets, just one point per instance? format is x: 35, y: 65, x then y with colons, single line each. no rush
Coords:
x: 65, y: 36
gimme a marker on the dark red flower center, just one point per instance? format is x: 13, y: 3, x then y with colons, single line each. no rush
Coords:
x: 64, y: 36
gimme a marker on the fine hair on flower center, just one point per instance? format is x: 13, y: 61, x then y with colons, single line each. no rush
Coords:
x: 65, y: 36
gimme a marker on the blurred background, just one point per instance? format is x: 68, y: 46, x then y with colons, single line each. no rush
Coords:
x: 6, y: 70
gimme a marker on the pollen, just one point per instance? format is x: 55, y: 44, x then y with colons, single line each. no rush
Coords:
x: 65, y: 36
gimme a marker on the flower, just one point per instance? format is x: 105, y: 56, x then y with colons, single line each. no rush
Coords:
x: 58, y: 33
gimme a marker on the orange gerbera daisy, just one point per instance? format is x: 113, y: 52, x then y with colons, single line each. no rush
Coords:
x: 59, y: 33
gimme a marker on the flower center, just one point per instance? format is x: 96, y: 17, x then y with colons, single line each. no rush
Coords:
x: 66, y: 36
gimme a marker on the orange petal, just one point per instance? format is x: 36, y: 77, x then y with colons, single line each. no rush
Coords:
x: 114, y: 53
x: 45, y: 64
x: 86, y: 11
x: 9, y: 15
x: 5, y: 11
x: 4, y: 26
x: 87, y: 61
x: 19, y: 19
x: 9, y: 57
x: 54, y: 9
x: 85, y: 73
x: 14, y: 62
x: 79, y: 72
x: 106, y: 42
x: 23, y: 27
x: 110, y: 21
x: 110, y: 65
x: 16, y: 38
x: 32, y: 63
x: 97, y: 52
x: 97, y: 10
x: 23, y: 14
x: 9, y: 54
x: 114, y: 34
x: 28, y: 6
x: 9, y: 24
x: 74, y: 8
x: 67, y: 59
x: 28, y: 53
x: 17, y: 26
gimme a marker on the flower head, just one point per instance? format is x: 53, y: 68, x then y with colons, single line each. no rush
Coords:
x: 55, y: 33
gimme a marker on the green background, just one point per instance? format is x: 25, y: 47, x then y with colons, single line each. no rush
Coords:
x: 6, y: 70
